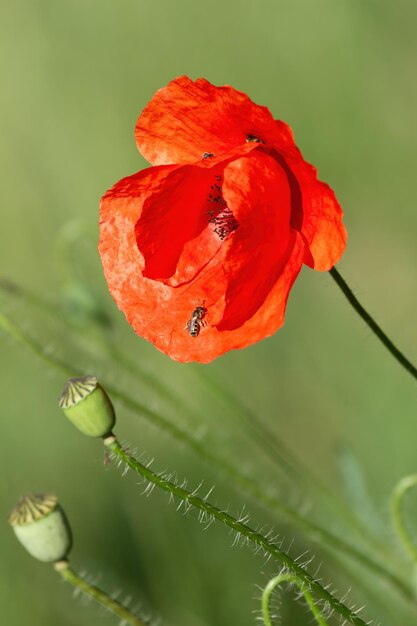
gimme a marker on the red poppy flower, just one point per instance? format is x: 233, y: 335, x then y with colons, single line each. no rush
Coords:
x: 200, y: 251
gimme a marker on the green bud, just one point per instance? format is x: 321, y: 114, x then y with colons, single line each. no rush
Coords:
x: 41, y: 526
x: 88, y: 406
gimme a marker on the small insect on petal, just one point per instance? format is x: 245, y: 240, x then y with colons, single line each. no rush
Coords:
x: 253, y: 139
x: 197, y: 321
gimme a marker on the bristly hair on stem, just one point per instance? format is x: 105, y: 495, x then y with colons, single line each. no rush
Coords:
x: 267, y: 439
x: 286, y: 577
x: 329, y: 541
x: 241, y: 527
x: 100, y: 596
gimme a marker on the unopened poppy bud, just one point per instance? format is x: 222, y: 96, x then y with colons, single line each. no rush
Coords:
x: 88, y: 406
x: 41, y: 527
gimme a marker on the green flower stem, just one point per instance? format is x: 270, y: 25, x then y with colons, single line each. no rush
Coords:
x: 240, y: 527
x: 405, y: 484
x: 267, y: 440
x: 278, y: 580
x: 68, y: 574
x: 321, y: 535
x: 278, y: 452
x: 369, y: 320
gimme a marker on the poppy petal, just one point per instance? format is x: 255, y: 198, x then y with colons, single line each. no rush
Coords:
x: 173, y: 232
x: 316, y: 212
x: 257, y: 191
x: 159, y: 312
x: 120, y: 208
x: 187, y: 119
x: 322, y: 228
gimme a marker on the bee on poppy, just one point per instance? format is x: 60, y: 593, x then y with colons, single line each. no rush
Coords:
x: 253, y: 139
x: 197, y: 321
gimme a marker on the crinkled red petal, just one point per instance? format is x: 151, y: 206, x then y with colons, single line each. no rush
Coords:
x: 159, y: 311
x: 316, y: 211
x: 173, y: 233
x: 256, y: 189
x: 188, y: 118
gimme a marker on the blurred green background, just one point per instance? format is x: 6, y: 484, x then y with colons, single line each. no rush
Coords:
x: 75, y: 75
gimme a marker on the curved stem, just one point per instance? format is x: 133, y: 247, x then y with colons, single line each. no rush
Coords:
x: 271, y: 586
x: 115, y: 607
x: 369, y: 320
x: 210, y: 511
x: 268, y: 441
x: 406, y: 483
x: 247, y: 485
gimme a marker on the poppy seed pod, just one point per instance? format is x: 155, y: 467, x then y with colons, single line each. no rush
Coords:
x: 41, y: 526
x: 88, y: 406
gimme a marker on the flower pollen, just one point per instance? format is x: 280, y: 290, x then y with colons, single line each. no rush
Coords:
x: 220, y: 214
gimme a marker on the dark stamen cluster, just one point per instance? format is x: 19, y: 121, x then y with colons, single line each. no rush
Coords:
x: 225, y: 223
x: 221, y: 216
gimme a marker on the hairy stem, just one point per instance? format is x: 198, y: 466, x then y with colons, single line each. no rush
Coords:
x: 405, y: 484
x: 245, y: 484
x: 268, y: 441
x: 240, y: 527
x: 290, y: 578
x: 369, y: 320
x: 115, y: 607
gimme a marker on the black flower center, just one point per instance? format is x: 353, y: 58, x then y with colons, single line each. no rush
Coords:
x: 220, y: 215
